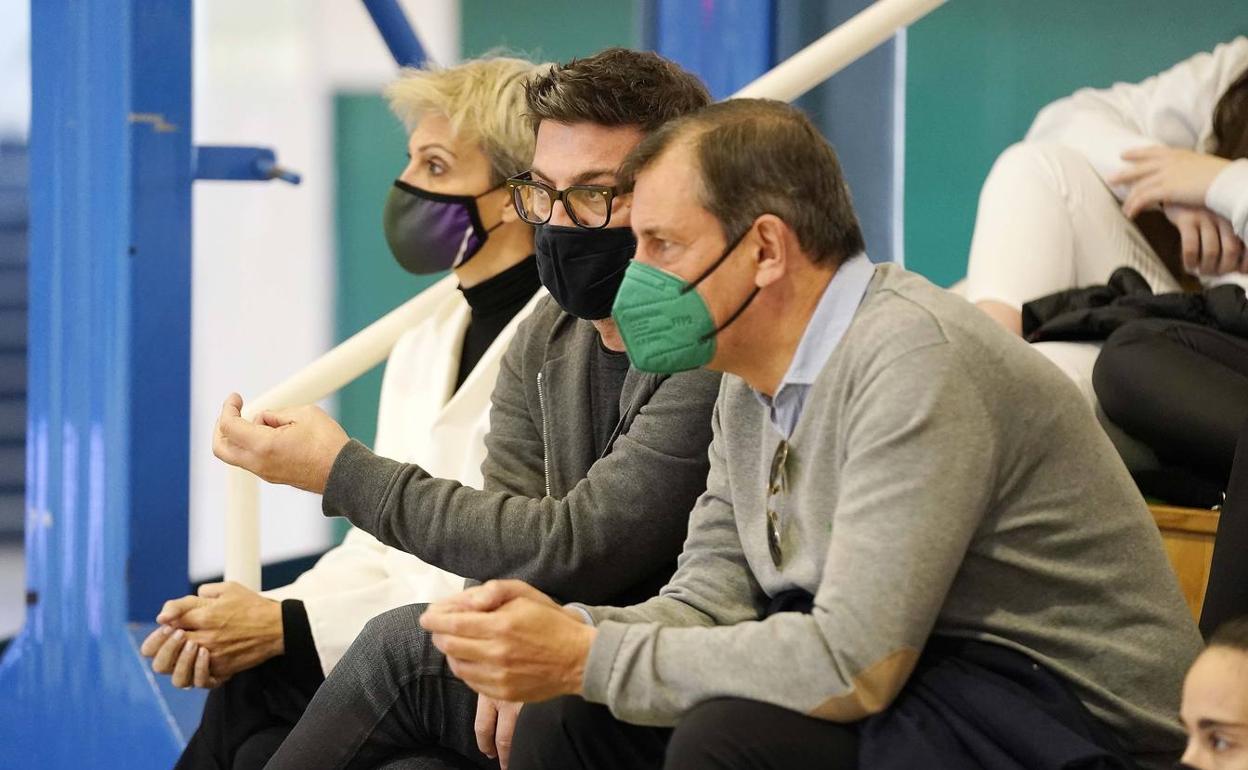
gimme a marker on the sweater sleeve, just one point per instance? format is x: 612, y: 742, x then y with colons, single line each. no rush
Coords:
x: 609, y: 533
x: 1228, y: 196
x: 900, y: 531
x: 301, y: 659
x: 1173, y: 108
x: 713, y: 584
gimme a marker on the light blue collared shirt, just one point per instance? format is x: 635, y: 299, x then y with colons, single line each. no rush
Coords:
x: 827, y: 326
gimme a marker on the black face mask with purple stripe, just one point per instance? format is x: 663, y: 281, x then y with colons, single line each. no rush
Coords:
x: 430, y: 232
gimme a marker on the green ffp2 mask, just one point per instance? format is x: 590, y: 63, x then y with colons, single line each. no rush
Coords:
x: 666, y: 325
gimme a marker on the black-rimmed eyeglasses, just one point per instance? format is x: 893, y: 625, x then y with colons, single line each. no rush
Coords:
x: 588, y: 205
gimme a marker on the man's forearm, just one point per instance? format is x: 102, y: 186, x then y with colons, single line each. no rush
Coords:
x: 572, y: 547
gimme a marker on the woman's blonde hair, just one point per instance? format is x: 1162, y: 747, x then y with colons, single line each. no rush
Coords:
x: 484, y: 101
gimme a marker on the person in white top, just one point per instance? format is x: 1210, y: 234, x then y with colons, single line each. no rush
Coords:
x: 1102, y: 180
x: 450, y: 209
x: 1056, y: 210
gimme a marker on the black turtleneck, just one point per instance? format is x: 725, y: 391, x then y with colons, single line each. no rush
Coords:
x: 494, y: 302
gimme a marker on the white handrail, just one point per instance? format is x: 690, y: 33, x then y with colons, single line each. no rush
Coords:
x: 837, y: 50
x: 242, y: 528
x: 787, y: 81
x: 319, y: 379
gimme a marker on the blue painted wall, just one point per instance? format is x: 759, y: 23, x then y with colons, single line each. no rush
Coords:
x: 727, y: 43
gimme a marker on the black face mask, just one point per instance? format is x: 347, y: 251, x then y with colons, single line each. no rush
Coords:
x: 430, y: 232
x: 582, y: 269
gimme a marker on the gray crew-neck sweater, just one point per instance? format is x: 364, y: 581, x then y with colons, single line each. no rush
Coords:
x: 943, y: 478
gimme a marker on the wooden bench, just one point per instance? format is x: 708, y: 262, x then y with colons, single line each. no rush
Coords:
x: 1188, y: 535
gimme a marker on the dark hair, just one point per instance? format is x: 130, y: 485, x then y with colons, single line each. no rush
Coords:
x: 615, y: 87
x: 1233, y: 634
x: 755, y: 157
x: 1230, y: 121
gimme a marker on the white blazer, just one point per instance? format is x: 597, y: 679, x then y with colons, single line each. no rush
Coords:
x: 1174, y: 108
x: 419, y: 420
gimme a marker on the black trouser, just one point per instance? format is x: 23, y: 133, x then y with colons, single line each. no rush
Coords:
x: 246, y: 719
x: 1182, y: 389
x: 725, y: 734
x: 393, y: 698
x: 1227, y: 594
x: 391, y: 701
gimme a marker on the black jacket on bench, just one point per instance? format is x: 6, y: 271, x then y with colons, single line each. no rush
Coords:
x: 1094, y: 312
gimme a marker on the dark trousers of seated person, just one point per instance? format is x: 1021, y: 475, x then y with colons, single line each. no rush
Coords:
x: 247, y: 717
x: 1179, y: 387
x: 725, y: 734
x: 393, y: 702
x: 1182, y: 388
x: 968, y: 705
x: 1227, y: 595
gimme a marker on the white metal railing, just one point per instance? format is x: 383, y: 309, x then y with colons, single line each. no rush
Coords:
x: 326, y: 375
x: 837, y: 50
x: 319, y: 379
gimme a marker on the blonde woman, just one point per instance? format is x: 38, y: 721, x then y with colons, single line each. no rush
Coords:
x: 448, y: 210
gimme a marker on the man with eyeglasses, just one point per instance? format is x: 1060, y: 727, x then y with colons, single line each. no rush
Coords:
x: 591, y: 466
x: 917, y: 549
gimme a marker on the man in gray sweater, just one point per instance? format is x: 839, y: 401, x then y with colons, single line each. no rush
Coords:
x: 591, y: 466
x: 916, y: 547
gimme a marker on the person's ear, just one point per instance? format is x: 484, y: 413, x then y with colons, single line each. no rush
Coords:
x: 507, y: 214
x: 774, y: 241
x: 622, y: 205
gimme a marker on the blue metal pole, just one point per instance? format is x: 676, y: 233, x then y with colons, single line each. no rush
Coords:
x: 107, y: 432
x: 397, y: 32
x: 158, y: 263
x: 727, y: 43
